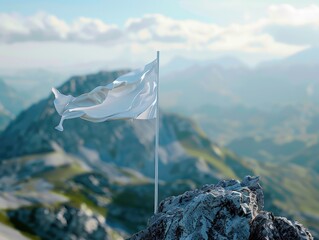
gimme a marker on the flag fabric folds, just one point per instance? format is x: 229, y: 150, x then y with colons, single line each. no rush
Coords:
x: 131, y: 96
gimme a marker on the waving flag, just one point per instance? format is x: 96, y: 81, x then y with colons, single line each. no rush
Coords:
x: 131, y: 96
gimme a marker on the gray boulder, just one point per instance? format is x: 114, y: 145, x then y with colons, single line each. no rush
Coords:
x: 228, y: 210
x: 266, y: 226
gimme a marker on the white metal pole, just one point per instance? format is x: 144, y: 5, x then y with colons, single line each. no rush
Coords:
x: 156, y: 140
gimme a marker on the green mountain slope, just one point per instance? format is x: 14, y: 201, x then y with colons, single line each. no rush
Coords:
x: 108, y: 167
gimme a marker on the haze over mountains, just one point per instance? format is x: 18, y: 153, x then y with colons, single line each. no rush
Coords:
x: 267, y: 114
x: 225, y: 81
x: 229, y: 82
x: 11, y: 103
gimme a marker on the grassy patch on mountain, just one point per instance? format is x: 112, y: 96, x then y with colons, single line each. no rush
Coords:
x: 198, y: 145
x: 216, y: 163
x: 78, y: 197
x: 61, y: 177
x: 134, y: 179
x: 294, y: 190
x: 62, y: 173
x: 4, y: 218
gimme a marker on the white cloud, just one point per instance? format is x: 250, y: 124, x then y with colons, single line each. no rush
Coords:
x: 171, y: 34
x: 155, y: 31
x: 47, y: 27
x: 12, y: 23
x: 285, y: 14
x: 87, y: 29
x: 290, y: 25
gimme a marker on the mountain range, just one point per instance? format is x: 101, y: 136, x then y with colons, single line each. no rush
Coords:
x: 103, y: 172
x: 29, y: 85
x: 107, y: 166
x: 293, y: 80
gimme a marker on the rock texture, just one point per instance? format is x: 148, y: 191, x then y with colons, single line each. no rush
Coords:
x: 227, y: 210
x: 266, y: 226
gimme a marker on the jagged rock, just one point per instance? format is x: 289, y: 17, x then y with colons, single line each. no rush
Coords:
x: 228, y: 210
x: 266, y: 226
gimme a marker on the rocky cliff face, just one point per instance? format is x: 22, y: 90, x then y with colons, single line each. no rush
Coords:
x: 227, y: 210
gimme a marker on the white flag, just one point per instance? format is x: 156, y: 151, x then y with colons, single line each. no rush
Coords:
x: 131, y: 96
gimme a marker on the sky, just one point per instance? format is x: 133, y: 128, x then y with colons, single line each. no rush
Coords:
x: 114, y: 34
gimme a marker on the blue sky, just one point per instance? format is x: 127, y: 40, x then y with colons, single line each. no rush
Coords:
x: 60, y: 33
x: 117, y: 12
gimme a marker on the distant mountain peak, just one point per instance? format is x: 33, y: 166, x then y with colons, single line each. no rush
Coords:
x: 179, y: 63
x: 307, y: 56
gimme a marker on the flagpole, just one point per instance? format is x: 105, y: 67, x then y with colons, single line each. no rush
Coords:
x: 156, y: 140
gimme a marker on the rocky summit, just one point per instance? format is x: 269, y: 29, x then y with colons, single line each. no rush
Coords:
x: 228, y: 210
